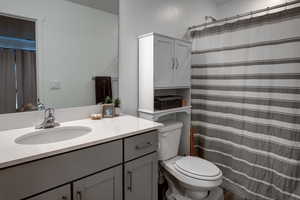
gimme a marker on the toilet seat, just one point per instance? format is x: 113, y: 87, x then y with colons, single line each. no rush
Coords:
x: 198, y: 168
x: 200, y: 183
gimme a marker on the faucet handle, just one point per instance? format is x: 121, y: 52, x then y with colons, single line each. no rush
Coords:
x: 41, y: 106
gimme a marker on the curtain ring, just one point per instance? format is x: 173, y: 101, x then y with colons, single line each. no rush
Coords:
x: 268, y: 10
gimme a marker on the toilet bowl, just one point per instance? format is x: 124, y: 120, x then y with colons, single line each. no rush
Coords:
x: 188, y: 178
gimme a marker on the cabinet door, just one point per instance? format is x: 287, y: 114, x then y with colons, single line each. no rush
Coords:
x: 105, y: 185
x: 141, y: 178
x: 62, y: 193
x: 163, y: 62
x: 182, y: 72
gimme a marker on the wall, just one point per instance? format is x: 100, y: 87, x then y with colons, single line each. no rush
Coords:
x: 169, y: 17
x: 234, y: 7
x: 75, y: 44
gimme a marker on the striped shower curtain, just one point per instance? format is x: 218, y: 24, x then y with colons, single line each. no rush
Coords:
x: 246, y: 103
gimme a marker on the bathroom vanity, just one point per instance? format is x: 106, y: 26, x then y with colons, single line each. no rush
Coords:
x: 116, y: 160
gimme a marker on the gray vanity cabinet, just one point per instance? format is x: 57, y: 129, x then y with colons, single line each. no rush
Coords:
x: 105, y: 185
x: 61, y: 193
x: 91, y: 173
x: 141, y: 178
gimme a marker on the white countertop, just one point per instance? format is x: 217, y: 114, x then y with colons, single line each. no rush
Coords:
x: 104, y: 130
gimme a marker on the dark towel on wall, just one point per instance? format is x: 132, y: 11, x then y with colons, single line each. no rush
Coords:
x: 103, y: 88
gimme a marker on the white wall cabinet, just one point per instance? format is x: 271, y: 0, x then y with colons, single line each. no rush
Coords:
x: 141, y: 178
x: 168, y: 57
x: 165, y: 69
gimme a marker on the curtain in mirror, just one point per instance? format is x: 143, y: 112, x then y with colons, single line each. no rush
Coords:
x: 26, y: 79
x: 7, y: 81
x: 18, y: 87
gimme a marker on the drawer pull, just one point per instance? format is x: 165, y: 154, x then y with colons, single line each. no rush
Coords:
x: 64, y: 198
x: 145, y: 146
x: 130, y: 181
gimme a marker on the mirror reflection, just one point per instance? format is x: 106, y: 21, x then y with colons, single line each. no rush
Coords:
x: 66, y: 56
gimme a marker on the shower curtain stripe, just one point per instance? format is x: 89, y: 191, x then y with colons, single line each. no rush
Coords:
x: 270, y: 115
x: 248, y: 100
x: 264, y: 186
x: 245, y: 164
x: 252, y: 45
x: 250, y: 126
x: 223, y: 143
x: 242, y: 189
x: 249, y: 70
x: 248, y: 76
x: 282, y: 90
x: 254, y: 144
x: 279, y: 96
x: 261, y: 108
x: 289, y: 141
x: 246, y: 103
x: 273, y: 83
x: 228, y: 113
x: 244, y: 175
x: 249, y: 63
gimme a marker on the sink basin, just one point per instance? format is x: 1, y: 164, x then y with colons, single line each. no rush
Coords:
x: 53, y: 135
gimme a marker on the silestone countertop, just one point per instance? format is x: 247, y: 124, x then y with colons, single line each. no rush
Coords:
x: 104, y: 130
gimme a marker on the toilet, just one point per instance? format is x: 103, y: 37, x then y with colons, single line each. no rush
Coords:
x: 188, y: 178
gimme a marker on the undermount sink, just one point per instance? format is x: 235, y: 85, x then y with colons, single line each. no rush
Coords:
x: 53, y: 135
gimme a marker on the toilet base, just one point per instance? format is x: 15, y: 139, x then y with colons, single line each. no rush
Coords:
x: 176, y: 192
x: 215, y: 194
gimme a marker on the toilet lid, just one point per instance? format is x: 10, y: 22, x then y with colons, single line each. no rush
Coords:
x: 198, y: 168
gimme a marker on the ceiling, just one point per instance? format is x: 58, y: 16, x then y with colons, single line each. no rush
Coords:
x: 111, y: 6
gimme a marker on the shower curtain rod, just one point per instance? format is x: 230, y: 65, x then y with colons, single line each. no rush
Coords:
x: 246, y: 14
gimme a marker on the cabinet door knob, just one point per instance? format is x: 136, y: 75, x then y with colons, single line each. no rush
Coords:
x: 78, y: 195
x: 177, y: 63
x: 64, y: 198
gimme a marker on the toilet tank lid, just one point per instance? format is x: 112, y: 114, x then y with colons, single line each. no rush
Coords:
x: 171, y: 125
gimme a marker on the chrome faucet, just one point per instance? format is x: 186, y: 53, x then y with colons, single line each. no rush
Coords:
x: 49, y: 120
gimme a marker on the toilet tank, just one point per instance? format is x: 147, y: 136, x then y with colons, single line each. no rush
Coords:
x: 169, y: 139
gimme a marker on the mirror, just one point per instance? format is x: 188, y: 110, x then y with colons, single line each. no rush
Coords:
x: 58, y: 53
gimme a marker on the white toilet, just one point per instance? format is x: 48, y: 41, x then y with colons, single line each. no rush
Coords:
x: 189, y: 178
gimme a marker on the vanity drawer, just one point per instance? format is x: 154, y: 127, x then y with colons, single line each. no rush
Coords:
x: 140, y: 145
x: 34, y: 177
